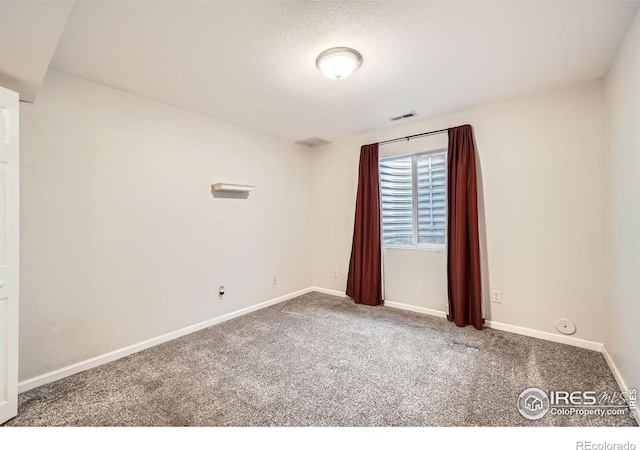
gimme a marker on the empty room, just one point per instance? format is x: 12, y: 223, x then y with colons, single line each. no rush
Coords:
x: 321, y: 214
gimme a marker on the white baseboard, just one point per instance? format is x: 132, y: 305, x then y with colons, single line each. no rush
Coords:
x: 618, y: 376
x: 328, y: 291
x: 90, y: 363
x: 563, y: 339
x: 560, y: 338
x: 418, y: 309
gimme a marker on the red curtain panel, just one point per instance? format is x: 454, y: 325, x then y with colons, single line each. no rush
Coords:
x: 463, y: 245
x: 364, y: 283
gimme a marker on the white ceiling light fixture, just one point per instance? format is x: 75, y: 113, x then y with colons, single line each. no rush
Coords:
x: 338, y: 62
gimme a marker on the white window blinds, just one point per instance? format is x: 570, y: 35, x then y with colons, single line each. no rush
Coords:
x: 413, y: 200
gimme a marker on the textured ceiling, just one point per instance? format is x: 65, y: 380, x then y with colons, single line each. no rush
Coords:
x: 253, y: 63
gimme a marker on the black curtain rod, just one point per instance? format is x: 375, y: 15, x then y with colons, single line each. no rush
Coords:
x: 428, y: 133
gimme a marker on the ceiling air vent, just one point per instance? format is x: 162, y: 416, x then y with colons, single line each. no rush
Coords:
x: 404, y: 116
x: 313, y: 142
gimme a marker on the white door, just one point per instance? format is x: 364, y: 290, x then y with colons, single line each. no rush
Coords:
x: 8, y: 254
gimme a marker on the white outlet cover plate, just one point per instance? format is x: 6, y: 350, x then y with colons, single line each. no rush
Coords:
x: 565, y: 326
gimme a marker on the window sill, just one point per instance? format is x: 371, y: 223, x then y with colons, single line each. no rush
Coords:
x: 432, y: 248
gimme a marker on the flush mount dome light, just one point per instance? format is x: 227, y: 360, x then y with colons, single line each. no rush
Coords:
x: 338, y: 62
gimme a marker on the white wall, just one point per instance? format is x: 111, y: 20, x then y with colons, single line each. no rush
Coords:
x: 121, y: 238
x: 622, y: 288
x: 540, y: 163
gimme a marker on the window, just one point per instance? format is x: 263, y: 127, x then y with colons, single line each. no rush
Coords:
x: 413, y: 199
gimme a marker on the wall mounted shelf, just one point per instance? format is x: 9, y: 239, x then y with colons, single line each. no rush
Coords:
x: 230, y: 187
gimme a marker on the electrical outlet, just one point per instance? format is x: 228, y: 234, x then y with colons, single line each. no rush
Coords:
x: 275, y: 280
x: 496, y: 296
x: 220, y: 292
x: 335, y: 273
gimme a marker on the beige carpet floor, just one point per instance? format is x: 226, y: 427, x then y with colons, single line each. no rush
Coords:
x: 319, y: 360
